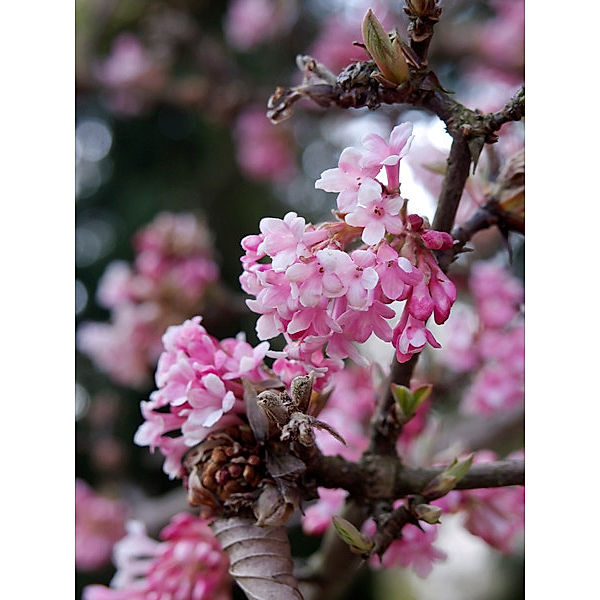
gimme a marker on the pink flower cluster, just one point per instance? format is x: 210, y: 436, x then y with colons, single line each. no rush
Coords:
x: 173, y: 269
x: 99, y: 523
x: 264, y: 152
x: 414, y: 549
x: 199, y: 389
x: 188, y: 564
x: 495, y: 345
x: 251, y: 22
x: 323, y: 298
x: 496, y: 515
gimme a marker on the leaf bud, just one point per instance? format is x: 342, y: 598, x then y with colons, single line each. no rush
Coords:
x: 386, y: 53
x: 408, y: 402
x: 441, y: 484
x: 357, y: 542
x: 428, y: 513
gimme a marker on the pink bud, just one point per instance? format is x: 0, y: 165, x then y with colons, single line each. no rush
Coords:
x: 437, y: 240
x: 415, y: 222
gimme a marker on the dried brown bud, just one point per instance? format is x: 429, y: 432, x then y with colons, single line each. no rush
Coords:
x: 509, y: 191
x: 277, y: 405
x: 224, y: 471
x: 300, y: 428
x: 421, y: 8
x: 301, y: 389
x: 272, y: 509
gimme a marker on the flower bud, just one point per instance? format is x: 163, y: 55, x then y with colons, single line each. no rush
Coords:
x: 437, y: 240
x: 386, y: 53
x: 415, y: 222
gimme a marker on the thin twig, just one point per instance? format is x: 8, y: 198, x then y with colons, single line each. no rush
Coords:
x: 384, y: 429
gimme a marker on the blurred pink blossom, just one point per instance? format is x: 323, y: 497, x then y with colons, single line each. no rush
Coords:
x: 496, y: 515
x: 130, y: 75
x: 265, y: 152
x: 492, y: 344
x: 251, y: 22
x: 502, y: 38
x: 494, y: 389
x: 187, y: 565
x: 497, y: 293
x: 414, y: 549
x: 99, y: 523
x: 172, y: 272
x: 317, y: 518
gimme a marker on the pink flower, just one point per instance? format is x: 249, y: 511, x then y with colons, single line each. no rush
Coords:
x: 359, y: 325
x: 396, y: 274
x: 198, y: 381
x: 325, y: 275
x: 325, y: 298
x: 441, y: 289
x: 187, y: 565
x: 410, y: 336
x: 99, y: 523
x: 497, y: 516
x: 381, y: 153
x: 376, y: 213
x: 282, y: 239
x: 346, y: 179
x: 240, y: 359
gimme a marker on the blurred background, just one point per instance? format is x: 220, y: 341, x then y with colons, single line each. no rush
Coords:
x: 172, y: 143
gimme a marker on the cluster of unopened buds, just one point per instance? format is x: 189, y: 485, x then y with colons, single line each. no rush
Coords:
x: 324, y: 290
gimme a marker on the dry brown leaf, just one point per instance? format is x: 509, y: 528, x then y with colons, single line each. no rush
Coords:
x: 260, y: 558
